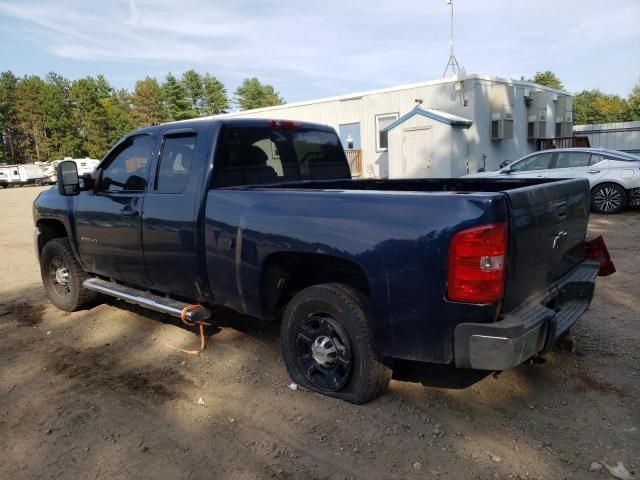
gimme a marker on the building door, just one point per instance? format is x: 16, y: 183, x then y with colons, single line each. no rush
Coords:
x: 417, y: 152
x: 350, y: 136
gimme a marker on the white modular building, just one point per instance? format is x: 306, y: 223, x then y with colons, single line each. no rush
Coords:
x: 440, y: 128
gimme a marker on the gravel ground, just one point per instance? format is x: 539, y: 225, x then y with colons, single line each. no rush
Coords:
x: 97, y: 394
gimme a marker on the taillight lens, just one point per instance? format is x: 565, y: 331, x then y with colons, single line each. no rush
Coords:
x: 597, y: 250
x: 477, y: 259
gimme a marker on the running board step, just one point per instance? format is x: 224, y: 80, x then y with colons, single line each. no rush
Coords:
x: 146, y: 299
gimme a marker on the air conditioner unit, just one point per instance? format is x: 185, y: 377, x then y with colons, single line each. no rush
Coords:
x: 537, y: 119
x: 564, y: 117
x: 564, y: 129
x: 536, y: 127
x: 501, y: 125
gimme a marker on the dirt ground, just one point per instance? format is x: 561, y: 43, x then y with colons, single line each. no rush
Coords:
x: 97, y: 394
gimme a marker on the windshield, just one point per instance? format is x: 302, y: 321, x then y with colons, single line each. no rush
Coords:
x: 259, y: 155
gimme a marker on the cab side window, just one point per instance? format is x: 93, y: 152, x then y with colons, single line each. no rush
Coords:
x: 536, y: 162
x: 127, y: 170
x: 174, y: 168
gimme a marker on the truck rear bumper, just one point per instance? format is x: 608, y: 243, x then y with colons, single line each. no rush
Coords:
x: 529, y: 329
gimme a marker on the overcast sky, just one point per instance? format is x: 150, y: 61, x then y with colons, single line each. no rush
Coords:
x: 309, y: 49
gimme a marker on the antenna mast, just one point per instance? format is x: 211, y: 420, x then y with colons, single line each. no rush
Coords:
x: 452, y: 65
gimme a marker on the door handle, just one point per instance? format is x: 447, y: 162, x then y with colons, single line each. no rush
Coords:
x: 129, y: 212
x: 593, y: 171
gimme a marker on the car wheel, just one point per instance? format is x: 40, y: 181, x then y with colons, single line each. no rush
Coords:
x: 328, y: 345
x: 62, y: 277
x: 608, y: 198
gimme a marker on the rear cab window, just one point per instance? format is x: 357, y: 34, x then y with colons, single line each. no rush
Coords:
x: 262, y: 155
x: 174, y: 166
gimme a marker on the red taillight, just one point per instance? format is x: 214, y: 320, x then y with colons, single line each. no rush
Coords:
x: 284, y: 123
x: 477, y: 259
x: 597, y: 250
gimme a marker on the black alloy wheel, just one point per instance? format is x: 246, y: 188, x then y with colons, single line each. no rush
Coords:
x: 324, y: 352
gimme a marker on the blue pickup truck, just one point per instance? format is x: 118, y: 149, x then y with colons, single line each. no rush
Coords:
x: 262, y: 216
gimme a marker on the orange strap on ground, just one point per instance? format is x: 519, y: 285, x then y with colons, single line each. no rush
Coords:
x: 186, y: 321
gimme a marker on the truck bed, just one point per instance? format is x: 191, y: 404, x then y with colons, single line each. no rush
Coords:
x: 463, y: 185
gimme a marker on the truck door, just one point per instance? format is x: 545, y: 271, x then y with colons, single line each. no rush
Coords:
x: 109, y: 222
x: 171, y: 207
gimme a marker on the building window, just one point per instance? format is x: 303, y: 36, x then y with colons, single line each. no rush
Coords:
x: 382, y: 137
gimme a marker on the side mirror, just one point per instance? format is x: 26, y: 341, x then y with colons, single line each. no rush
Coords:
x: 505, y: 171
x: 67, y: 178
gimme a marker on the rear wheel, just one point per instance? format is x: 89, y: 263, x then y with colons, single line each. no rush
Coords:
x: 62, y: 277
x: 608, y: 198
x: 328, y: 345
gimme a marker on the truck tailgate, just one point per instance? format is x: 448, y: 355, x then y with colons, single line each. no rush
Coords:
x: 547, y: 228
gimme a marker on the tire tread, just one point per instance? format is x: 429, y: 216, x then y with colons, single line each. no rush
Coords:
x: 80, y: 297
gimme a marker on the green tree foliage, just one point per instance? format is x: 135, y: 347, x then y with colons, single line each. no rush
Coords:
x: 58, y: 118
x: 32, y: 144
x: 175, y: 94
x: 593, y: 106
x: 8, y: 132
x: 90, y: 116
x: 49, y: 118
x: 215, y: 96
x: 117, y: 108
x: 548, y: 79
x: 194, y: 87
x: 147, y: 103
x: 633, y: 103
x: 253, y: 94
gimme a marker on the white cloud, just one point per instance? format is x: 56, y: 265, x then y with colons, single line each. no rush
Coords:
x: 336, y: 46
x: 135, y: 14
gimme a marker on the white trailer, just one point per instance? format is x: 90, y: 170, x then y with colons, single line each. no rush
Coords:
x: 84, y: 165
x: 21, y: 175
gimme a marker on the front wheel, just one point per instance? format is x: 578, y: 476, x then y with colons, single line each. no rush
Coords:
x: 328, y: 345
x: 608, y: 198
x: 62, y: 277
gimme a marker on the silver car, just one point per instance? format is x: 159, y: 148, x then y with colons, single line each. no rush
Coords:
x: 614, y: 176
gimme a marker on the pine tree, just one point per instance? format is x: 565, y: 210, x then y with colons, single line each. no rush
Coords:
x: 195, y: 89
x: 252, y: 94
x: 59, y: 124
x: 31, y: 143
x: 147, y: 103
x: 90, y: 116
x: 117, y: 108
x: 105, y: 90
x: 216, y: 100
x: 175, y: 95
x: 8, y: 84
